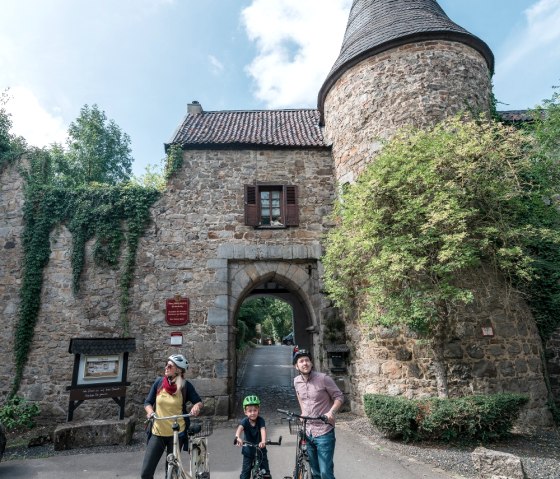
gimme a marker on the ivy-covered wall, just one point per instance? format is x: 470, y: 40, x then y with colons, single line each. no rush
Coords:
x: 195, y: 229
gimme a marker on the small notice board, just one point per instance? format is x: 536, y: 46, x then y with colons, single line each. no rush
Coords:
x: 100, y: 368
x: 177, y: 311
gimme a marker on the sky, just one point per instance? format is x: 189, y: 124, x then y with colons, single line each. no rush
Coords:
x: 143, y: 61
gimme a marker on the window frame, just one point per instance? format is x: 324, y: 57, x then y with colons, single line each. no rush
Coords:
x: 289, y: 207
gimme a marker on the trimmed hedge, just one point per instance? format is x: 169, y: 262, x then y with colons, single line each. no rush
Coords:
x: 470, y: 418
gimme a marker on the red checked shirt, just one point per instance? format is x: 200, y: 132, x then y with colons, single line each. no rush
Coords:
x: 317, y: 396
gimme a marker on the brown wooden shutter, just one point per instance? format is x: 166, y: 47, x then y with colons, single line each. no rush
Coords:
x: 251, y: 206
x: 291, y: 204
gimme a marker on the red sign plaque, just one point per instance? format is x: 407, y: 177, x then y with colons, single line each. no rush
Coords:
x: 177, y: 311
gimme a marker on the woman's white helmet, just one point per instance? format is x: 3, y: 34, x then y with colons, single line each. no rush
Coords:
x: 179, y: 360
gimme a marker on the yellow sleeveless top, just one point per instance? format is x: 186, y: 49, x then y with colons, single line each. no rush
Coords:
x: 168, y: 405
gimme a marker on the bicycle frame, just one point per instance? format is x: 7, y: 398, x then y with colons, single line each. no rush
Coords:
x: 301, y: 467
x: 256, y: 471
x: 199, y: 467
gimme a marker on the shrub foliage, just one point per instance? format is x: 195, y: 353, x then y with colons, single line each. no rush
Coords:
x: 437, y: 204
x: 17, y: 413
x: 470, y: 418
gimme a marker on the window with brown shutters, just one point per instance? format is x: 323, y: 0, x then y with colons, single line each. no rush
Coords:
x: 271, y: 206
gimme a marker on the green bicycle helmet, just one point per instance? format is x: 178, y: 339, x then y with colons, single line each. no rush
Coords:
x: 251, y: 401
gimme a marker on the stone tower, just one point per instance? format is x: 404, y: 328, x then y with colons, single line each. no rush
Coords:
x: 405, y: 63
x: 402, y: 62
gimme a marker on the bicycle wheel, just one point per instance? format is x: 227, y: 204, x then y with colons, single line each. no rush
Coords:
x: 302, y: 470
x: 173, y: 472
x: 199, y: 460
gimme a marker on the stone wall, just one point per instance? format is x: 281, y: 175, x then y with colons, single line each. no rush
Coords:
x: 11, y: 227
x: 196, y: 242
x: 416, y: 84
x: 392, y: 362
x: 197, y: 246
x: 553, y: 364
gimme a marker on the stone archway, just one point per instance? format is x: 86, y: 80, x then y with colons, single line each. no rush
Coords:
x: 239, y: 270
x: 292, y: 283
x: 273, y: 285
x: 266, y: 370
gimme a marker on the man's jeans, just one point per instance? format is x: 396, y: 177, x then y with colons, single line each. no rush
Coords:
x: 321, y: 451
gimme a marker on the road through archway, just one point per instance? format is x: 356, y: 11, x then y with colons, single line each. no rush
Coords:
x: 267, y: 371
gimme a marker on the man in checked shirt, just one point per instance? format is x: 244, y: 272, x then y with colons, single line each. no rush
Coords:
x: 318, y: 395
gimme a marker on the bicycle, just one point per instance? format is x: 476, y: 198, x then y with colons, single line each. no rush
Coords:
x: 302, y: 469
x: 256, y: 471
x: 199, y: 466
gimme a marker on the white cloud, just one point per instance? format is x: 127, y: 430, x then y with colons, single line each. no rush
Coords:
x: 216, y: 65
x: 30, y: 120
x: 539, y: 40
x: 297, y: 44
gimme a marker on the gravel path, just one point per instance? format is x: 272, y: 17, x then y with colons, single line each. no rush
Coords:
x: 540, y: 452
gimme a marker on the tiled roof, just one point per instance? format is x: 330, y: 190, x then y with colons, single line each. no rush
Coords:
x: 281, y: 128
x: 514, y: 116
x: 375, y: 26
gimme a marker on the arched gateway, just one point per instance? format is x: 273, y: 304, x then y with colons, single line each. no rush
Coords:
x: 295, y: 283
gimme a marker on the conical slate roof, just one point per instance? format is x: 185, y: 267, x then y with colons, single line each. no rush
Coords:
x: 375, y: 26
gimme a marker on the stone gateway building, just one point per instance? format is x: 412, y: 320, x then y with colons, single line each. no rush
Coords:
x: 245, y: 215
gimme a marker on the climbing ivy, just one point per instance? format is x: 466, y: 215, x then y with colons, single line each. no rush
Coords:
x: 110, y: 214
x: 174, y: 160
x: 436, y: 205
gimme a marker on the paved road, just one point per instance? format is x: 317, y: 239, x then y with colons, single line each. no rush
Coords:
x: 267, y: 372
x: 355, y: 457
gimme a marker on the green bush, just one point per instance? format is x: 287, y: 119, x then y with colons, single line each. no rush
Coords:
x: 17, y: 413
x: 394, y: 416
x: 470, y: 418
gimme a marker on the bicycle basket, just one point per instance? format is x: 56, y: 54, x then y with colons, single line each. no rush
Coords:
x: 206, y: 427
x: 295, y: 426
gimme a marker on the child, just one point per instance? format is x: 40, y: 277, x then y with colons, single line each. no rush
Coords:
x: 253, y: 427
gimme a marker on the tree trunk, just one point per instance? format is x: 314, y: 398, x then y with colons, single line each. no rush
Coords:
x: 440, y: 367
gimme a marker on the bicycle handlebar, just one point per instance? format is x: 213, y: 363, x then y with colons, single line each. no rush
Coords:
x: 322, y: 417
x: 268, y: 442
x: 178, y: 416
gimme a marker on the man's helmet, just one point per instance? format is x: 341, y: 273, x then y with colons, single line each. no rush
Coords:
x: 179, y: 360
x: 301, y: 353
x: 251, y: 401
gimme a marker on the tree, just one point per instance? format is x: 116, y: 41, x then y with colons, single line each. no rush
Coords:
x: 546, y: 125
x: 435, y: 204
x: 152, y: 178
x: 273, y: 314
x: 11, y: 146
x: 97, y: 150
x: 544, y: 293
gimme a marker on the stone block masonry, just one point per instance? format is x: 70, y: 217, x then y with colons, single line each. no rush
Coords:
x: 417, y: 84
